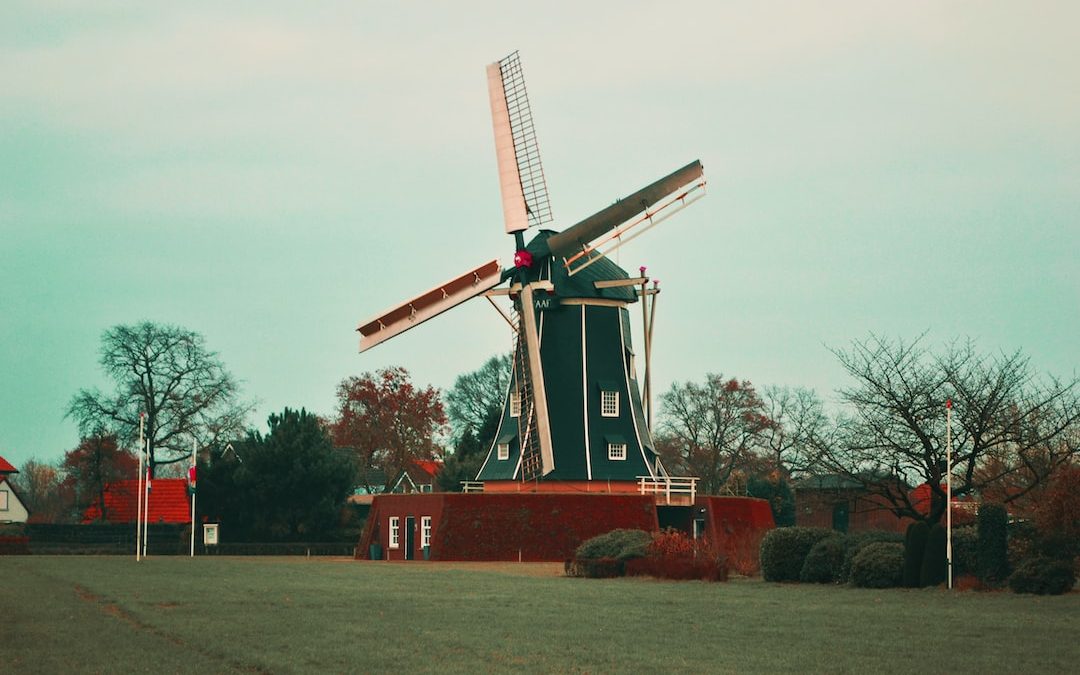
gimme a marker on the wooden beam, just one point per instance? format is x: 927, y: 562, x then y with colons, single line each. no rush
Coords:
x: 536, y: 373
x: 616, y: 283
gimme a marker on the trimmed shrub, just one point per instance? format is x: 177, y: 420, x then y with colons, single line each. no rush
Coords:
x: 784, y: 550
x: 878, y: 565
x: 934, y: 566
x: 914, y: 549
x: 856, y: 542
x: 595, y: 568
x: 1043, y: 576
x: 618, y: 545
x: 674, y: 555
x: 993, y: 551
x: 823, y: 562
x: 965, y: 544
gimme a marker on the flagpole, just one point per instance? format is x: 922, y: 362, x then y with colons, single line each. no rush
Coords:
x: 138, y: 494
x: 948, y: 486
x: 146, y: 511
x: 192, y: 478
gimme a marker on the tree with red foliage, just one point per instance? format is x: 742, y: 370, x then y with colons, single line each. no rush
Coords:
x: 388, y: 422
x: 1057, y: 515
x: 710, y: 429
x: 96, y: 461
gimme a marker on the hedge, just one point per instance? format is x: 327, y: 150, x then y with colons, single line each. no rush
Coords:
x: 1043, y: 576
x: 856, y: 542
x: 784, y: 551
x: 621, y: 545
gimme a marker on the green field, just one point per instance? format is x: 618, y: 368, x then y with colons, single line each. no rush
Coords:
x: 169, y: 614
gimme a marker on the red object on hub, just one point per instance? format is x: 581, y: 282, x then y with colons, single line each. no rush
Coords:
x: 523, y: 259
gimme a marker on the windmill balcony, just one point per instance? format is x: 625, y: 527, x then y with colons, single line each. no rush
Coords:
x: 670, y: 490
x: 666, y: 491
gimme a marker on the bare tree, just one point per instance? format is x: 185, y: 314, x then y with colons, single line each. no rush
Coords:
x: 1010, y: 427
x: 39, y: 485
x: 711, y: 429
x: 800, y: 429
x: 168, y: 374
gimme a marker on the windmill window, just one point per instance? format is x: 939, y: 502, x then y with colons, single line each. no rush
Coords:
x: 515, y: 404
x: 616, y: 451
x: 609, y: 403
x: 504, y: 451
x: 425, y: 530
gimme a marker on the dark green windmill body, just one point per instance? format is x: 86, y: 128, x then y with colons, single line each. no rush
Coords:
x: 573, y: 412
x: 594, y: 406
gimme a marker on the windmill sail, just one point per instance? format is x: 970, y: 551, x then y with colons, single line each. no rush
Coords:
x: 577, y: 237
x: 429, y: 305
x: 521, y: 175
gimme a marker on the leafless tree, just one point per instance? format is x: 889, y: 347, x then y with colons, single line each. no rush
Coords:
x: 710, y: 429
x: 799, y: 431
x: 1011, y: 428
x: 167, y: 373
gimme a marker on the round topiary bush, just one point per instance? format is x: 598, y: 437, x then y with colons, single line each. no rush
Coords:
x: 1043, y: 576
x: 621, y: 545
x: 856, y: 542
x: 878, y: 565
x: 784, y: 550
x: 822, y: 564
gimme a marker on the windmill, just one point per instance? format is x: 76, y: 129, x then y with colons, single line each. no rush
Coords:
x: 574, y: 410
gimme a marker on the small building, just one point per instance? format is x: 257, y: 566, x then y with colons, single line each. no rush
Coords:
x: 12, y: 508
x: 419, y: 476
x: 843, y: 504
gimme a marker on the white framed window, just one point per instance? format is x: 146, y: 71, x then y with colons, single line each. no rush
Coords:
x: 609, y: 404
x: 395, y: 532
x: 4, y: 500
x: 515, y: 404
x: 425, y: 530
x: 504, y: 451
x: 424, y: 487
x: 616, y: 451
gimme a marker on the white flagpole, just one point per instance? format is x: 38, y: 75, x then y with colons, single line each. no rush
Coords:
x: 138, y: 494
x: 948, y: 487
x: 193, y: 480
x: 146, y: 512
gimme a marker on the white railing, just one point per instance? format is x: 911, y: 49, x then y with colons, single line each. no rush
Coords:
x: 472, y: 486
x: 667, y: 486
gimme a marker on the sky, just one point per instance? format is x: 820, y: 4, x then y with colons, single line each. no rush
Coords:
x: 270, y: 174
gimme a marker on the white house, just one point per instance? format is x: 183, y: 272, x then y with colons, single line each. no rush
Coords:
x: 12, y: 509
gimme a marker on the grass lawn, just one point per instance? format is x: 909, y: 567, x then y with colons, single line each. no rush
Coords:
x: 216, y: 614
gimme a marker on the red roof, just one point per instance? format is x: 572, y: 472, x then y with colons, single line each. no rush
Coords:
x: 168, y: 502
x: 431, y: 467
x: 6, y: 467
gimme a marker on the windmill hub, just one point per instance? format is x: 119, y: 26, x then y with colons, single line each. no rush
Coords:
x: 523, y: 259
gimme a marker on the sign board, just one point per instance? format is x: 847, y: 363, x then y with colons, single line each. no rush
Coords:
x: 210, y: 534
x: 543, y: 302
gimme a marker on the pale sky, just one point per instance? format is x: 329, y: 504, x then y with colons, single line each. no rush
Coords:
x: 272, y: 173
